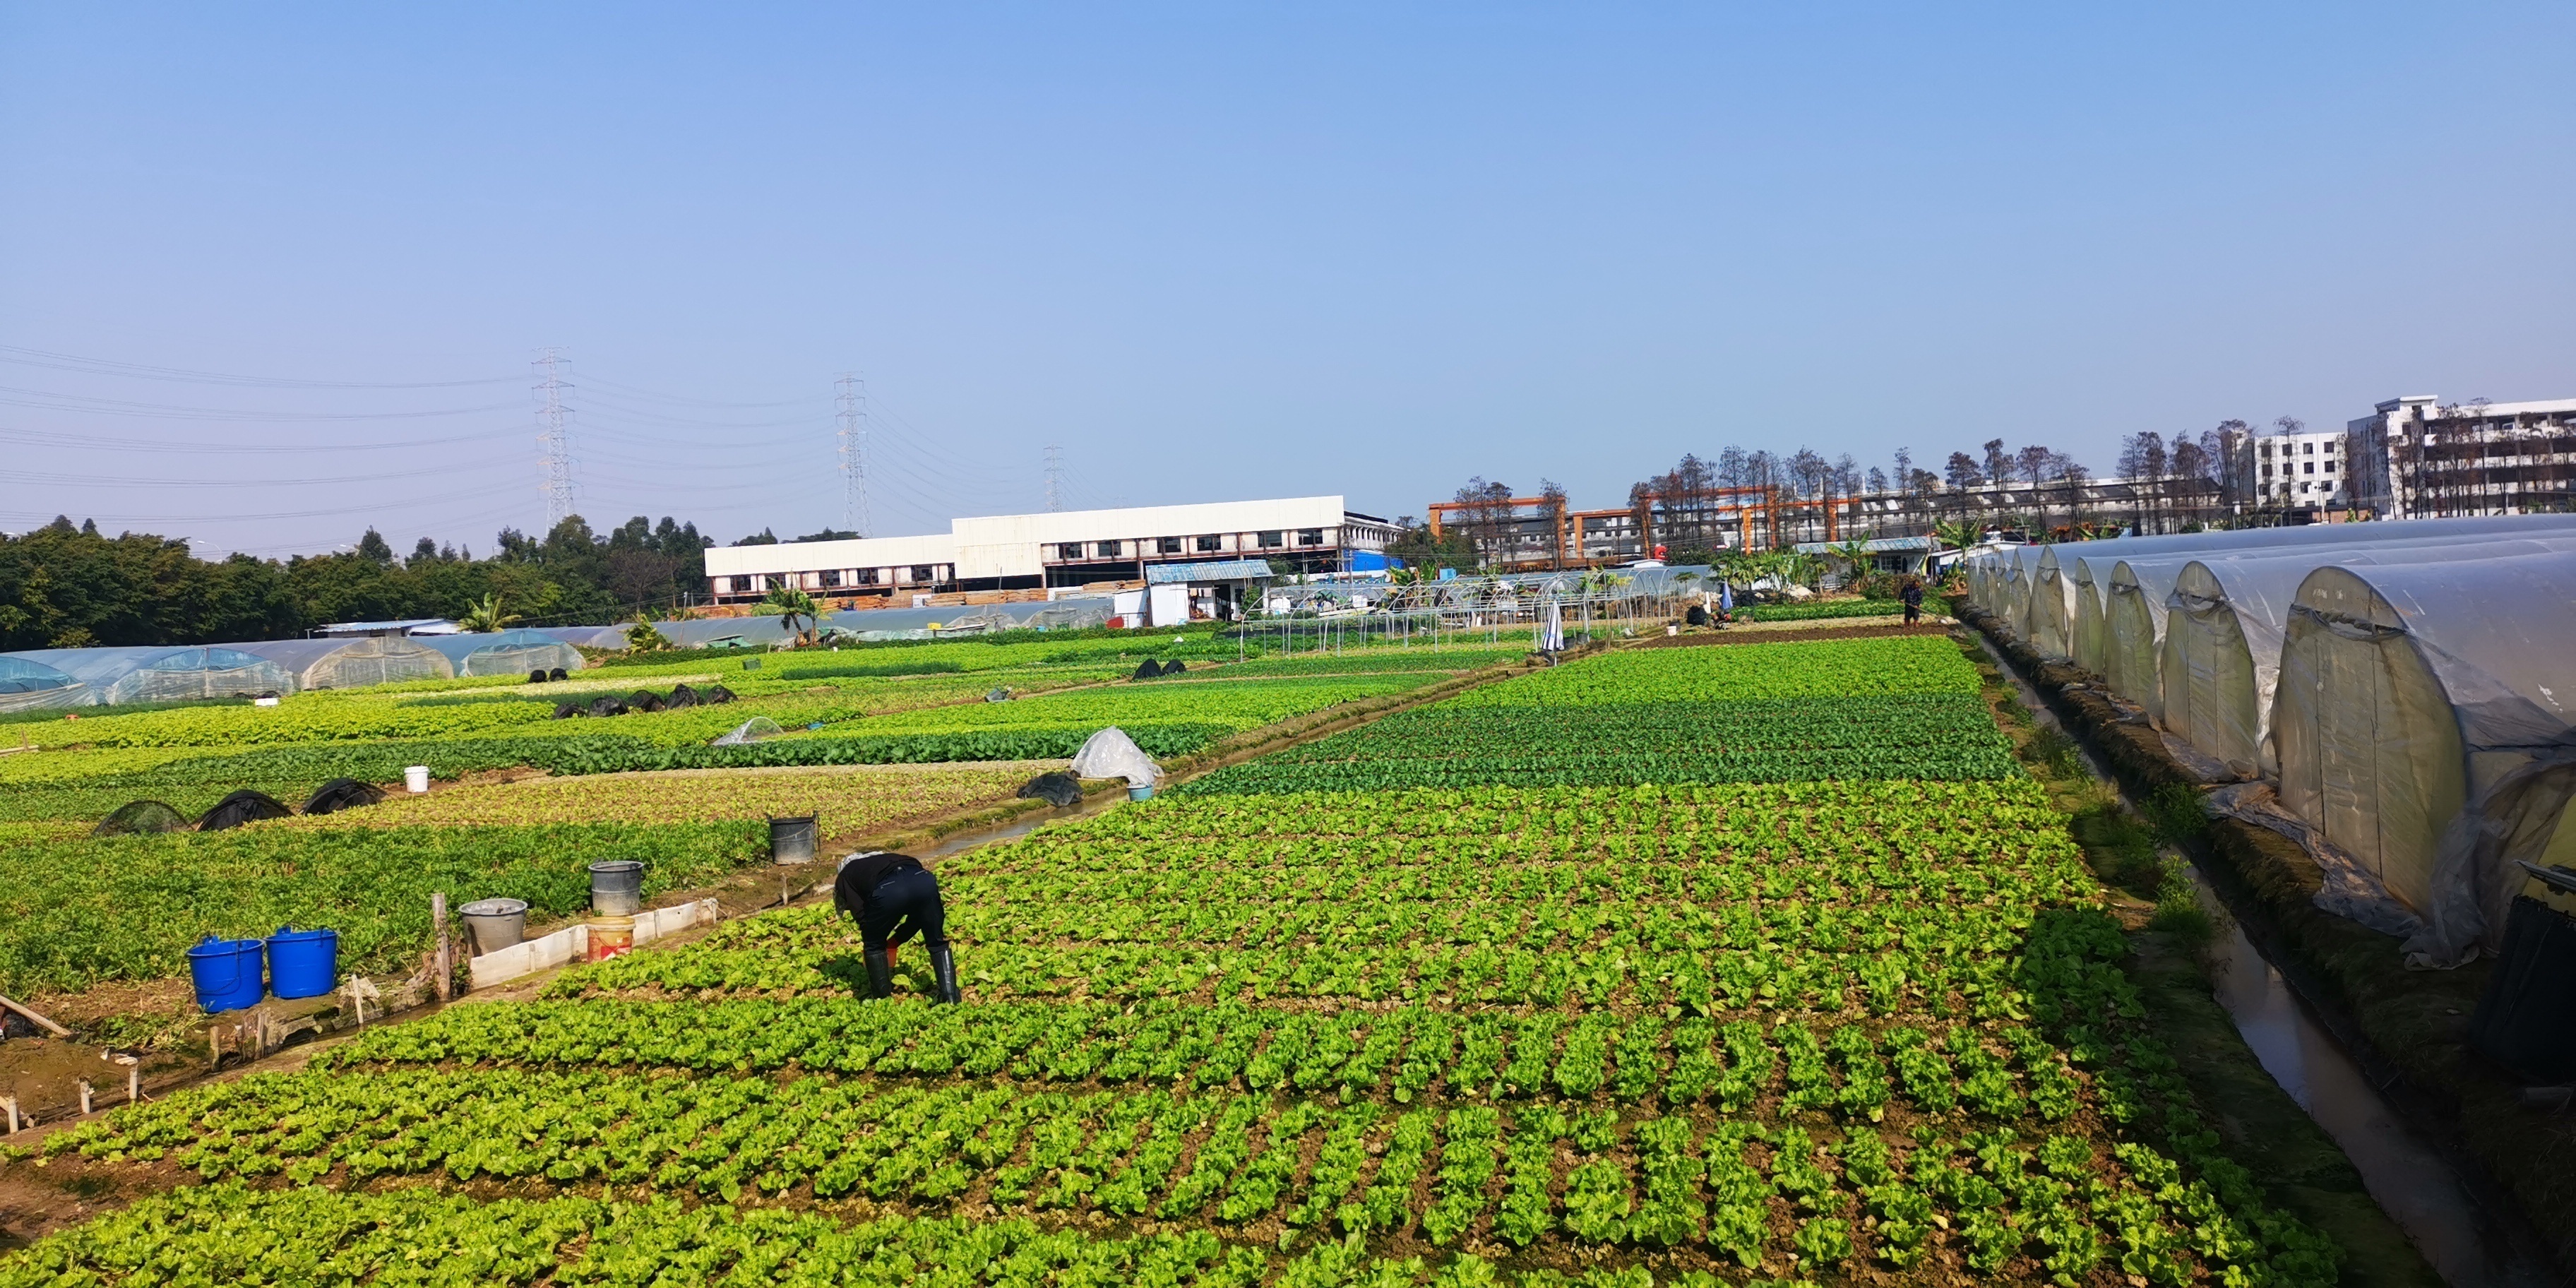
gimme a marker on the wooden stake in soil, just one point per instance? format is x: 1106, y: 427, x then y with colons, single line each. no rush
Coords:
x: 133, y: 1081
x: 438, y: 932
x: 11, y: 1104
x: 85, y: 1093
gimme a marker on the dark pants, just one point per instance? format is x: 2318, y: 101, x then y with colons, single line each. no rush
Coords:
x: 906, y: 903
x: 1913, y: 613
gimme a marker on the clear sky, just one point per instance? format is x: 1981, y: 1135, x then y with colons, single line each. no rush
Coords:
x: 1218, y: 251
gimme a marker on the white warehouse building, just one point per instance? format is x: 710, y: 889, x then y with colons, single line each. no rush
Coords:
x: 1058, y: 548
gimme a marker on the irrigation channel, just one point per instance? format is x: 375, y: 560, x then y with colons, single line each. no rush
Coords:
x: 2408, y: 1178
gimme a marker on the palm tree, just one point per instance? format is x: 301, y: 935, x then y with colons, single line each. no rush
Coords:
x: 793, y: 605
x: 485, y: 617
x: 1959, y: 534
x: 1856, y: 557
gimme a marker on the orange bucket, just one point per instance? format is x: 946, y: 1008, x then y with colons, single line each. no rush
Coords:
x: 611, y: 937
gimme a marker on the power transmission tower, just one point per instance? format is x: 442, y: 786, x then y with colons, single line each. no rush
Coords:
x: 854, y: 451
x: 1055, y: 479
x: 554, y: 442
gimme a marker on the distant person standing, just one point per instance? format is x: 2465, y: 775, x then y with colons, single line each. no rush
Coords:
x: 1912, y: 597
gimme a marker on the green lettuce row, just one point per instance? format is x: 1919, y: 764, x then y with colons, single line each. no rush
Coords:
x: 1841, y: 669
x: 1578, y: 1176
x: 80, y: 912
x: 1417, y: 1054
x: 229, y: 1234
x: 1935, y: 736
x: 1827, y: 611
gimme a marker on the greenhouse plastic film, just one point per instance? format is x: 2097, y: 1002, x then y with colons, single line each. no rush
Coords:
x: 2349, y: 888
x: 2228, y: 616
x: 2424, y: 724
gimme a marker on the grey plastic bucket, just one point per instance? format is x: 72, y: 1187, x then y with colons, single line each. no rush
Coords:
x: 495, y: 924
x: 792, y: 840
x: 617, y: 888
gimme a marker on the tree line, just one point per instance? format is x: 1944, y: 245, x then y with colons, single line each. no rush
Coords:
x: 2186, y: 481
x: 71, y: 586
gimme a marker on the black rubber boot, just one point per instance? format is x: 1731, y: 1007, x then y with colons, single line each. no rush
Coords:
x: 943, y: 966
x: 880, y: 974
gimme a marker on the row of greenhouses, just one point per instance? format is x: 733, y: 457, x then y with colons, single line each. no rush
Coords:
x: 2407, y: 689
x: 81, y: 677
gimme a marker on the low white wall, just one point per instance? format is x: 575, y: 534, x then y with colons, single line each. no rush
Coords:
x: 572, y: 943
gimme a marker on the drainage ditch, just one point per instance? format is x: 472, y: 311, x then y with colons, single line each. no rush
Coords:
x: 2410, y: 1179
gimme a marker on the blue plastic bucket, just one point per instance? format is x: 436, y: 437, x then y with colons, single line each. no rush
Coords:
x: 303, y: 963
x: 226, y: 973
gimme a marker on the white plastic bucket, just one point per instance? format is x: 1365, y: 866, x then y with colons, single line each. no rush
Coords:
x: 416, y: 779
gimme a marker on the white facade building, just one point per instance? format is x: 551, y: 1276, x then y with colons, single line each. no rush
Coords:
x: 2302, y: 471
x: 2416, y: 457
x: 1059, y: 548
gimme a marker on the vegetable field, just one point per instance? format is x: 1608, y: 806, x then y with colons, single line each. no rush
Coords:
x: 1812, y: 989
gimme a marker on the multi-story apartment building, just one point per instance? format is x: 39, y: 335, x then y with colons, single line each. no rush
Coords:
x: 2414, y: 457
x: 2301, y: 470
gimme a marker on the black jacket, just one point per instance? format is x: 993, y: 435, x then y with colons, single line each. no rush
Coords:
x: 859, y: 878
x: 1911, y: 596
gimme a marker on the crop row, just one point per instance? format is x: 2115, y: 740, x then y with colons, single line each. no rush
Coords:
x: 74, y: 913
x: 233, y: 1234
x: 1815, y: 669
x: 843, y: 798
x: 1999, y: 1071
x: 1516, y: 1175
x: 1705, y: 982
x: 1376, y: 659
x: 1541, y: 820
x: 1236, y: 704
x: 1940, y: 736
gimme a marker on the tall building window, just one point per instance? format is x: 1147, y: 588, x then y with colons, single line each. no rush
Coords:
x: 1211, y: 543
x: 1069, y: 550
x: 1310, y: 536
x: 1167, y: 545
x: 867, y: 577
x: 831, y: 579
x: 1109, y: 549
x: 1268, y: 539
x: 924, y: 572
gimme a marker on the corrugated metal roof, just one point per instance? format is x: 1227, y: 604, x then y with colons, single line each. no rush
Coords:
x: 1879, y: 546
x: 1216, y: 570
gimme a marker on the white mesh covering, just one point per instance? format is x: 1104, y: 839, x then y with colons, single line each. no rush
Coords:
x: 2426, y: 725
x: 1110, y: 753
x: 756, y: 729
x: 353, y: 663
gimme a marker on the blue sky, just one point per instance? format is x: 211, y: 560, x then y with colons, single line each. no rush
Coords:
x: 1224, y: 251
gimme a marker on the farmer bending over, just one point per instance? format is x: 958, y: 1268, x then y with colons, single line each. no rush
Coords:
x: 894, y: 897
